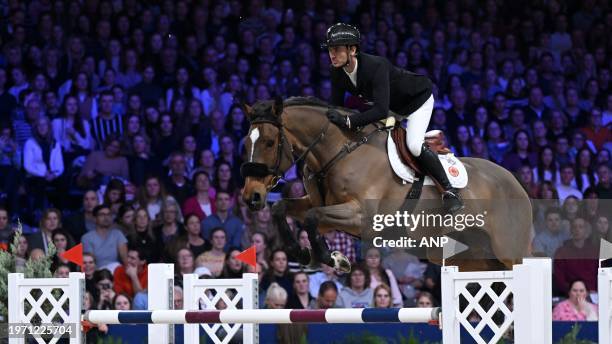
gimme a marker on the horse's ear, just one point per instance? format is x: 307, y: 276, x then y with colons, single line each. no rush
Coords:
x: 278, y: 106
x: 248, y: 111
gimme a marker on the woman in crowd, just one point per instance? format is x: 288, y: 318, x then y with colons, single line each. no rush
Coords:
x: 184, y: 263
x: 276, y: 297
x: 50, y: 221
x: 301, y: 298
x: 382, y: 297
x: 584, y: 172
x: 233, y: 268
x: 278, y: 272
x: 201, y: 204
x: 114, y: 196
x: 576, y: 307
x: 521, y: 152
x: 72, y: 131
x: 62, y: 241
x: 260, y: 241
x: 122, y: 302
x: 193, y: 238
x: 357, y: 293
x: 105, y: 292
x: 547, y: 168
x: 104, y: 164
x: 140, y: 161
x: 497, y: 144
x: 426, y: 300
x: 141, y: 236
x: 380, y: 275
x: 171, y: 227
x: 214, y: 258
x: 152, y: 196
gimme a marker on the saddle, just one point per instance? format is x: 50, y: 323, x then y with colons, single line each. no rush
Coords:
x: 434, y: 139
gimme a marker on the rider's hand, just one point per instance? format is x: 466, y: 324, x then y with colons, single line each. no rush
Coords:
x: 338, y: 119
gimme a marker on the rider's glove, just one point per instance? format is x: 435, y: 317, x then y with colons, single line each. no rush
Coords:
x: 338, y: 119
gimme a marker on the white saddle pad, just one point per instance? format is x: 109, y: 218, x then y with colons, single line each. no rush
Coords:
x: 454, y: 168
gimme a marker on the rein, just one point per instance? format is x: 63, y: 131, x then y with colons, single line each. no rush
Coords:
x: 257, y: 169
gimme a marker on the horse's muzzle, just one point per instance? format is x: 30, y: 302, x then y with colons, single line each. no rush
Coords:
x: 256, y: 201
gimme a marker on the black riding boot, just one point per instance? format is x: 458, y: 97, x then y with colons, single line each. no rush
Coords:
x: 433, y: 167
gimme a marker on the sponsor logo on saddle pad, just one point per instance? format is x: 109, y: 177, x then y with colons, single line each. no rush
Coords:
x: 454, y: 168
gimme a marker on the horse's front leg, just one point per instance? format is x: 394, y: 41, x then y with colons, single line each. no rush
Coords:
x: 346, y: 217
x: 296, y: 208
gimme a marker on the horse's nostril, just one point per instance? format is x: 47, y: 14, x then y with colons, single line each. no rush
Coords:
x: 256, y: 197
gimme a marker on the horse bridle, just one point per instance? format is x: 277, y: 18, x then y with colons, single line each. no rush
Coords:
x: 258, y: 169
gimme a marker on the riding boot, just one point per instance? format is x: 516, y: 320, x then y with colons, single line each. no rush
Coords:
x: 433, y: 167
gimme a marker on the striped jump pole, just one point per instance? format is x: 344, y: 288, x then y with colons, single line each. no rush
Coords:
x: 268, y: 316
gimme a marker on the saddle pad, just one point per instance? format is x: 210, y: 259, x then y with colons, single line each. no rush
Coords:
x: 454, y: 168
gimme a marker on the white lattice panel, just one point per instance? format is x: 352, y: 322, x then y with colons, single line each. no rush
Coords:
x: 46, y: 301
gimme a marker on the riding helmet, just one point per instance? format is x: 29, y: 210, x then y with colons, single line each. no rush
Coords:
x: 341, y: 34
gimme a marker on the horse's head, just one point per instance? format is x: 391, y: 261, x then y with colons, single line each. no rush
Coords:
x: 268, y: 153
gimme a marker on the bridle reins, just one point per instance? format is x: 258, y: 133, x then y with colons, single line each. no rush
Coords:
x: 258, y: 169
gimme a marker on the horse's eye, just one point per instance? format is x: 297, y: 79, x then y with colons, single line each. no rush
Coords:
x: 269, y: 143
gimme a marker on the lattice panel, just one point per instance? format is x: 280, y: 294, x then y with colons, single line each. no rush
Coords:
x: 490, y: 301
x: 44, y: 305
x: 219, y: 298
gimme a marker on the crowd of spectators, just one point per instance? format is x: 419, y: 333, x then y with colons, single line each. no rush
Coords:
x: 121, y: 128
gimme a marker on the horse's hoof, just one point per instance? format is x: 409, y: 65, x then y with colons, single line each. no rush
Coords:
x: 341, y: 263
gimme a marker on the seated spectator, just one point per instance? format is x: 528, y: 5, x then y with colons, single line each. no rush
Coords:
x: 10, y: 166
x: 122, y: 302
x: 201, y: 204
x: 104, y: 164
x: 62, y: 241
x: 106, y: 243
x: 83, y: 221
x: 576, y: 307
x: 215, y: 257
x: 550, y: 238
x: 521, y: 152
x: 301, y: 298
x: 276, y: 297
x: 178, y: 297
x: 72, y: 131
x: 327, y: 274
x: 171, y: 222
x: 140, y: 161
x: 193, y: 238
x: 61, y: 271
x: 576, y: 259
x: 224, y: 181
x: 43, y: 163
x: 133, y: 277
x: 278, y: 272
x: 382, y: 297
x: 6, y: 230
x: 105, y: 293
x: 151, y: 197
x: 357, y: 293
x: 380, y: 275
x: 525, y: 176
x: 567, y: 186
x: 89, y: 269
x: 114, y: 196
x: 595, y: 131
x: 233, y: 268
x: 184, y: 264
x: 125, y: 218
x: 583, y: 169
x: 141, y: 236
x: 426, y: 300
x: 51, y: 221
x: 108, y: 123
x: 260, y: 241
x: 177, y: 183
x: 327, y: 296
x: 224, y: 218
x: 601, y: 229
x: 604, y: 184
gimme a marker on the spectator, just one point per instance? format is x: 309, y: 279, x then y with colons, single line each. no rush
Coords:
x: 301, y: 298
x: 141, y: 236
x: 550, y: 238
x: 104, y: 164
x: 233, y: 268
x: 276, y: 297
x: 327, y: 297
x: 426, y: 300
x: 278, y: 272
x: 566, y: 186
x: 357, y: 293
x: 215, y: 257
x: 521, y: 153
x: 72, y: 131
x: 382, y: 297
x: 184, y: 262
x: 107, y: 244
x: 6, y: 230
x: 43, y: 163
x: 177, y: 183
x: 132, y: 278
x: 604, y: 186
x: 577, y: 258
x: 122, y: 302
x: 50, y: 221
x: 225, y: 219
x: 62, y: 241
x: 107, y: 122
x: 380, y: 275
x: 201, y: 204
x: 576, y: 307
x: 152, y: 196
x: 171, y: 227
x: 10, y: 165
x: 83, y: 221
x: 105, y: 293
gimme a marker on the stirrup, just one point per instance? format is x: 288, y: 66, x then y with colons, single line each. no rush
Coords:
x: 452, y: 201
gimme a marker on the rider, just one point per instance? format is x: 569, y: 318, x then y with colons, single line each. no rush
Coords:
x: 387, y: 87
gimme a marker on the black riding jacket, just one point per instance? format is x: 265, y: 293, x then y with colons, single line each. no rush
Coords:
x: 386, y: 86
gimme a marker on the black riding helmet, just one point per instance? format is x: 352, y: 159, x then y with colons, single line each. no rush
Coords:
x: 341, y: 34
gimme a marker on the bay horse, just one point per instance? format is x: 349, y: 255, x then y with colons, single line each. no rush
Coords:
x: 338, y: 186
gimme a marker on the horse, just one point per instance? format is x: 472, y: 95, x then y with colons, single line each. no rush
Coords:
x: 344, y: 171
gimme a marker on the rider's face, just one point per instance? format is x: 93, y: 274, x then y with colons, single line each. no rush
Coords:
x: 339, y: 55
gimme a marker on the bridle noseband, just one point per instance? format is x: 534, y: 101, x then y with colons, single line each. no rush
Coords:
x: 260, y: 170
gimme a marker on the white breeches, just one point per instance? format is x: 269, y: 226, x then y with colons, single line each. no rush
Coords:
x: 417, y: 126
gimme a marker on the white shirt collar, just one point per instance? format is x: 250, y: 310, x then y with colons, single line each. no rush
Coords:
x: 353, y: 75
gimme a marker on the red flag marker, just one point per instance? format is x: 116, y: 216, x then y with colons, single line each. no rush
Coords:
x: 248, y: 256
x: 74, y: 255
